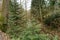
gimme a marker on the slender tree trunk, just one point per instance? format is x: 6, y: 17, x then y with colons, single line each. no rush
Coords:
x: 20, y: 1
x: 26, y: 9
x: 5, y: 11
x: 40, y: 12
x: 26, y: 6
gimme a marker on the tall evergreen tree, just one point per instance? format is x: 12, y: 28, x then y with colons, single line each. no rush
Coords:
x: 15, y: 18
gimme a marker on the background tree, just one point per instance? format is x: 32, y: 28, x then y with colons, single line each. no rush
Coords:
x: 37, y: 8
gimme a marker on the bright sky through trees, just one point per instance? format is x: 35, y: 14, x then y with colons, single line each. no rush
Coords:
x: 28, y: 4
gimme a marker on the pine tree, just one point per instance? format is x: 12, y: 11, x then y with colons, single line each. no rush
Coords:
x: 15, y: 18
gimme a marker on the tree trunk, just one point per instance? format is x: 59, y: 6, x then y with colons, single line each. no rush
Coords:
x: 5, y: 11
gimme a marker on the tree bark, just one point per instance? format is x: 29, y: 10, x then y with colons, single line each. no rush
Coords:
x: 5, y: 11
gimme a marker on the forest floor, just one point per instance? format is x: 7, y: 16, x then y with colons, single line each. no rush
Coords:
x: 53, y: 32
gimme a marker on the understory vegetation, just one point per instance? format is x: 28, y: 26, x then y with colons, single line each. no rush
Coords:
x: 40, y: 22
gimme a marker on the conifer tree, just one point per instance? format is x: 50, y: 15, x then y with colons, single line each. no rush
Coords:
x: 15, y: 18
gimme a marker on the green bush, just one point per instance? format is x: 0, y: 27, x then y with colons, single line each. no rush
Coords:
x: 52, y: 20
x: 15, y: 19
x: 34, y: 34
x: 55, y: 37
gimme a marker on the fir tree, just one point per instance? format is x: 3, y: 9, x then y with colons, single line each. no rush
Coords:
x: 15, y: 18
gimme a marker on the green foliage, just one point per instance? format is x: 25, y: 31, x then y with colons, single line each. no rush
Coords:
x: 36, y: 6
x: 15, y: 21
x: 40, y: 7
x: 16, y: 29
x: 55, y: 37
x: 2, y: 25
x: 1, y: 17
x: 52, y: 20
x: 34, y: 33
x: 52, y: 2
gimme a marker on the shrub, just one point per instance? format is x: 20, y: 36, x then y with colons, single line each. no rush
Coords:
x: 52, y: 20
x: 33, y: 34
x: 55, y: 37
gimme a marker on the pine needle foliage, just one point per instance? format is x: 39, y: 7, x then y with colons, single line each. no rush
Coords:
x: 15, y: 18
